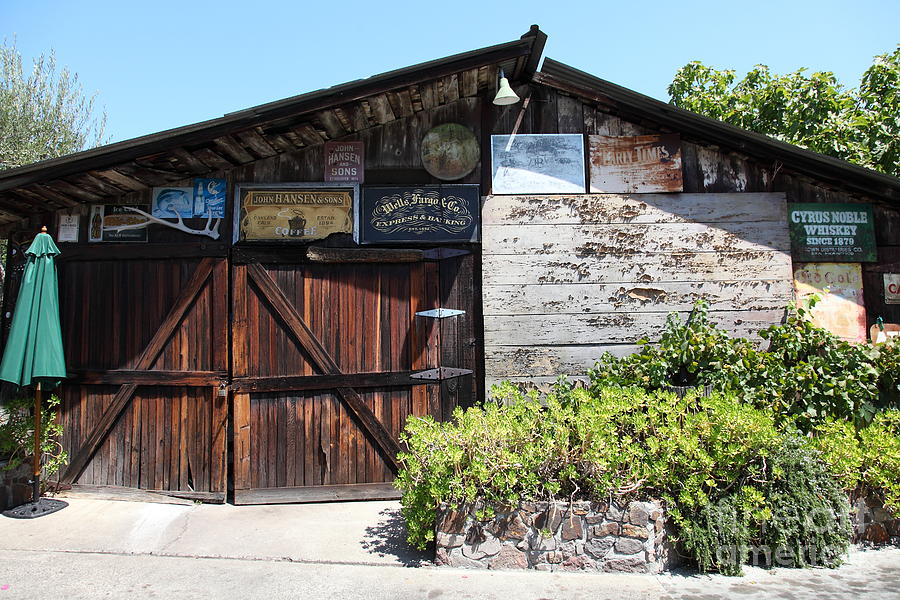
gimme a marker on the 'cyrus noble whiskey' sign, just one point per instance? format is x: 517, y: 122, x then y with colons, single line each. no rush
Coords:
x: 419, y: 214
x: 294, y: 212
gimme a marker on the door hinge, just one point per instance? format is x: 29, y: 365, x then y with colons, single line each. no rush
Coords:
x: 440, y: 313
x: 440, y: 374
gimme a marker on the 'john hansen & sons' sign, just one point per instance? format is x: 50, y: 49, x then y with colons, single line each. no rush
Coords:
x: 427, y: 214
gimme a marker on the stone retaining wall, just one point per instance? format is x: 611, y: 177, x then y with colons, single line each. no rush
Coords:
x: 872, y: 523
x: 557, y: 536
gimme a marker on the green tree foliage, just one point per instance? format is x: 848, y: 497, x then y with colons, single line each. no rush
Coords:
x: 813, y: 111
x: 44, y: 113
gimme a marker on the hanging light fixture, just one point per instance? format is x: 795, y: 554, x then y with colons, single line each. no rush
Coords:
x: 505, y: 95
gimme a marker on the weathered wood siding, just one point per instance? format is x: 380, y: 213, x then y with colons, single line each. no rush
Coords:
x: 708, y: 168
x: 566, y: 278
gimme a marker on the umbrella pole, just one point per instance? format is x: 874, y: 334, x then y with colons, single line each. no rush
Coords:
x: 36, y: 481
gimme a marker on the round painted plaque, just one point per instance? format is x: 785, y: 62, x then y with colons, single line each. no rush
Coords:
x: 450, y: 151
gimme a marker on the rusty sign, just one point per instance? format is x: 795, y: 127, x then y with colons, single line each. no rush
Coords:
x: 344, y: 161
x: 842, y: 309
x: 635, y: 164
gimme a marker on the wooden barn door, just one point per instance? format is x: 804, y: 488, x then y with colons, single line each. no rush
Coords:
x: 147, y: 342
x: 329, y: 361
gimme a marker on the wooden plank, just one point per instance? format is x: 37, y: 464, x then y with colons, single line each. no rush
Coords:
x: 526, y: 269
x: 75, y: 191
x: 190, y: 162
x: 239, y: 366
x: 308, y: 134
x: 621, y: 327
x: 401, y: 103
x: 119, y: 179
x: 363, y: 255
x: 257, y: 143
x: 110, y: 492
x: 298, y: 328
x: 323, y: 382
x: 318, y: 493
x: 468, y: 83
x: 359, y: 120
x: 635, y: 209
x: 145, y: 361
x: 567, y: 298
x: 582, y: 241
x: 331, y: 123
x: 450, y: 89
x: 547, y: 361
x: 232, y: 149
x: 156, y: 377
x: 213, y: 159
x: 131, y: 251
x: 381, y: 109
x: 570, y: 116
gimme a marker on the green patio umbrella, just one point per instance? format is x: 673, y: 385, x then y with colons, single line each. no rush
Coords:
x: 34, y: 351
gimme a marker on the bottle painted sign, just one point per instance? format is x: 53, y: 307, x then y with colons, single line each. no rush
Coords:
x: 832, y: 232
x: 429, y: 213
x: 294, y: 212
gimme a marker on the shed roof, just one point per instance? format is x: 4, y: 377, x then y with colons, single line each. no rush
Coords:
x: 637, y: 107
x: 262, y: 131
x: 313, y: 118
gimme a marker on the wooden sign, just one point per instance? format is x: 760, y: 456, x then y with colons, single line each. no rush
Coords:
x: 537, y: 164
x: 344, y: 161
x: 635, y: 164
x: 887, y: 332
x: 832, y: 232
x: 431, y: 213
x: 293, y: 212
x: 892, y: 288
x: 842, y: 310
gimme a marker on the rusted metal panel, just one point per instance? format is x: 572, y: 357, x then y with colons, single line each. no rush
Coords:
x: 842, y: 309
x: 628, y: 164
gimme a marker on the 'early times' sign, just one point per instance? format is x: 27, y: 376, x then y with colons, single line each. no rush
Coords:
x: 431, y: 213
x: 832, y: 232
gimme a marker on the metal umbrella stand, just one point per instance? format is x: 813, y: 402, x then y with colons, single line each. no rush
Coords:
x: 34, y: 353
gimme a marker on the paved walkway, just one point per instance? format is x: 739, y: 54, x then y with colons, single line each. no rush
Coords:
x: 108, y: 549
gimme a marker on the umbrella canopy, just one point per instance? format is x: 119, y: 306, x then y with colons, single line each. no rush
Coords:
x: 34, y: 349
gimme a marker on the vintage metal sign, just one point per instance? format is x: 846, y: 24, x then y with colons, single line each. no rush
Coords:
x: 635, y: 164
x: 538, y: 163
x: 115, y: 223
x: 842, y: 309
x: 832, y: 232
x: 297, y: 212
x: 892, y: 288
x: 344, y: 161
x: 431, y: 213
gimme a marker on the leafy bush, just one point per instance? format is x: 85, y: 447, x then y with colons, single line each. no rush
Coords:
x: 694, y: 352
x: 807, y: 374
x: 713, y: 460
x: 17, y: 434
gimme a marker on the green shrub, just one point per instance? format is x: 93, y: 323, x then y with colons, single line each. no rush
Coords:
x: 17, y: 434
x: 880, y: 472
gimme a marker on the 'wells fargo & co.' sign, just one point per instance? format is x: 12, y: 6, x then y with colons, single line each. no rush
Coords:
x: 430, y: 213
x: 294, y: 212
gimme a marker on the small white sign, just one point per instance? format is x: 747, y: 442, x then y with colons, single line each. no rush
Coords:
x: 68, y: 228
x: 892, y: 288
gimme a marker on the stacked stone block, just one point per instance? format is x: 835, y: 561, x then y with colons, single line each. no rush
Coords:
x: 557, y: 536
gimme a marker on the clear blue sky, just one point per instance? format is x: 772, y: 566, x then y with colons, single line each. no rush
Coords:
x: 166, y: 63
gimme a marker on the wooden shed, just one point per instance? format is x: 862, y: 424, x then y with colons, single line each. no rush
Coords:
x: 254, y: 305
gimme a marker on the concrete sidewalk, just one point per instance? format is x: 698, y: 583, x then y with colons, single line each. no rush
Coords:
x: 113, y: 549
